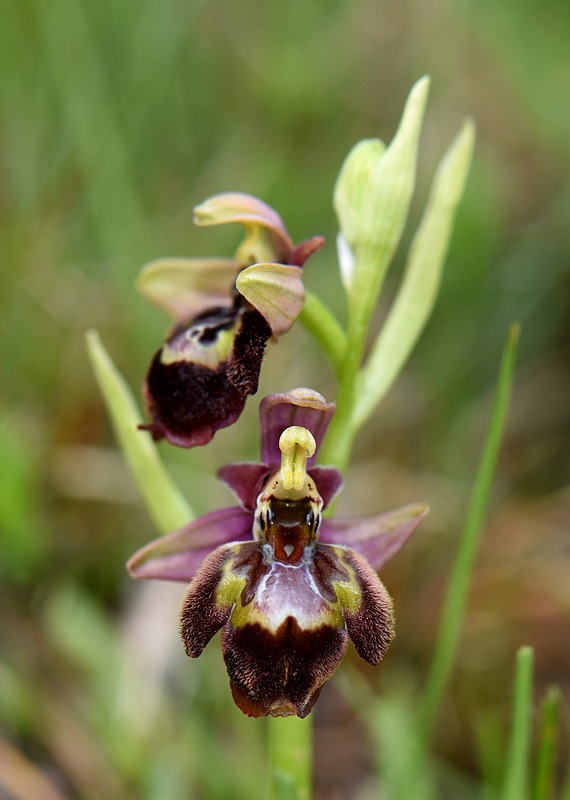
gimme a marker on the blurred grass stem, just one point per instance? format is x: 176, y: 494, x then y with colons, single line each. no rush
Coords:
x: 455, y: 600
x: 517, y: 767
x: 546, y: 757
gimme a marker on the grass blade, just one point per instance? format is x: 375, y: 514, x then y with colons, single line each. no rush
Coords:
x: 544, y: 777
x: 456, y: 596
x: 517, y: 769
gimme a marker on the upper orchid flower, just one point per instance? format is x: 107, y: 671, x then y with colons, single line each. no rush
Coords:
x: 288, y: 586
x: 225, y: 312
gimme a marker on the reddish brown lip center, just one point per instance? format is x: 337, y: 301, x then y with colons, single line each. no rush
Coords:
x: 291, y: 526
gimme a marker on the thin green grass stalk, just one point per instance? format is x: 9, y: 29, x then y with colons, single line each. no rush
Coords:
x: 290, y: 758
x: 489, y: 730
x: 165, y: 504
x: 546, y: 757
x: 456, y: 596
x: 516, y: 783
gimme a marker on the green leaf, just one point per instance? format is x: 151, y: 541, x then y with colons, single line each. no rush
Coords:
x: 165, y: 504
x: 418, y: 292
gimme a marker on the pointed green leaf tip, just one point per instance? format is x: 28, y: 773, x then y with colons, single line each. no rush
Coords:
x: 420, y: 286
x: 372, y: 197
x: 166, y: 506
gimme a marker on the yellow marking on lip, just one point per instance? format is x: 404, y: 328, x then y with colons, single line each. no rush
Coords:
x: 210, y: 355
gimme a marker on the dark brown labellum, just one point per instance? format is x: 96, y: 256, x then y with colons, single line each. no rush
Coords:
x: 198, y: 381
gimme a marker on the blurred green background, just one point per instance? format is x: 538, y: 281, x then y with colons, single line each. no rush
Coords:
x: 117, y: 118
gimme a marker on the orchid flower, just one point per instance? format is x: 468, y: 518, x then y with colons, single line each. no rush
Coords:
x: 287, y: 586
x: 225, y: 311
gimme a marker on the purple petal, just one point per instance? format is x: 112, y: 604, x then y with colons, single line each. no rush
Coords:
x: 245, y: 481
x: 328, y: 480
x: 377, y: 538
x: 303, y: 407
x: 176, y: 557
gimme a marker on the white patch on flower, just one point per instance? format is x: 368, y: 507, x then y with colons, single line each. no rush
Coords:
x: 289, y: 590
x: 346, y: 261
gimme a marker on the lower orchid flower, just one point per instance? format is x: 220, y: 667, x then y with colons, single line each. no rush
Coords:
x: 287, y: 586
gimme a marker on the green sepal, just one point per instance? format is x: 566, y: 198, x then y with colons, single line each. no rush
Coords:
x: 185, y: 287
x: 276, y: 291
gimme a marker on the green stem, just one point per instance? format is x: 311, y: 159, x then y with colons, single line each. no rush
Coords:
x: 290, y: 758
x: 456, y: 596
x: 324, y: 327
x: 342, y: 432
x: 516, y: 771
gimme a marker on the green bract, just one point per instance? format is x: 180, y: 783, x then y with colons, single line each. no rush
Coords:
x: 418, y: 292
x: 372, y: 197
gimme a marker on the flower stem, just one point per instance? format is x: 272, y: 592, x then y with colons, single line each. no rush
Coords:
x: 290, y: 758
x: 340, y: 437
x: 324, y: 327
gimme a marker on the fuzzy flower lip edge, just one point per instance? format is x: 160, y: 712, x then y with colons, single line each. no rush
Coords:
x: 377, y: 538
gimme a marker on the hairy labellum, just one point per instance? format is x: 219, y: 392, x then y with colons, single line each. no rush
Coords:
x: 198, y: 381
x: 286, y: 602
x: 287, y: 587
